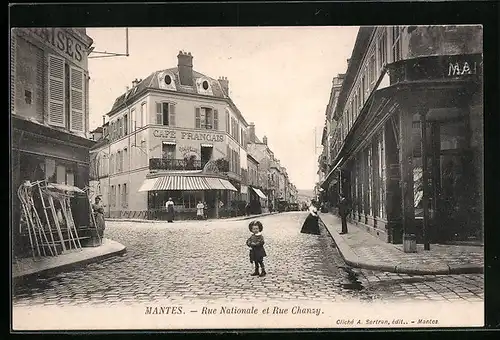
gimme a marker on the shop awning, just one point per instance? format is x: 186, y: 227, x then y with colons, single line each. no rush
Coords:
x: 244, y: 189
x: 169, y: 143
x: 205, y: 145
x: 64, y: 187
x: 186, y: 183
x: 181, y: 183
x: 215, y: 183
x: 148, y: 184
x: 259, y: 193
x: 228, y: 185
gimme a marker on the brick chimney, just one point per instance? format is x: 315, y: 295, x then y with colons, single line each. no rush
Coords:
x: 251, y: 132
x: 264, y: 140
x: 224, y: 83
x: 185, y: 66
x: 135, y: 82
x: 103, y: 120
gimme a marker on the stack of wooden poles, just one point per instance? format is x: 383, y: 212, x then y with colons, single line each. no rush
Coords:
x: 43, y: 242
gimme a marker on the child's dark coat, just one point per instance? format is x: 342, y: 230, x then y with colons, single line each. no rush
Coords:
x: 257, y: 251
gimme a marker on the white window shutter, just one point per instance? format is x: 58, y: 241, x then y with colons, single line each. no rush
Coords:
x: 77, y: 102
x: 171, y: 112
x: 56, y: 94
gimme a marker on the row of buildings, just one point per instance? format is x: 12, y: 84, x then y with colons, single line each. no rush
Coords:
x: 403, y: 134
x: 177, y: 134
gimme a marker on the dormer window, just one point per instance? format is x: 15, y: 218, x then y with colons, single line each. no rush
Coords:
x: 168, y: 79
x: 205, y: 85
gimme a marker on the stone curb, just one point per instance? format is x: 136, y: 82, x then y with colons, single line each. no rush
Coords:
x: 120, y: 250
x: 353, y: 260
x: 240, y: 218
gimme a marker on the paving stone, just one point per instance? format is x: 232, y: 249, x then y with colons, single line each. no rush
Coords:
x: 190, y: 262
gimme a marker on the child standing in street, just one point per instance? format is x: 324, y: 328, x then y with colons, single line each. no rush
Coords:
x: 256, y: 244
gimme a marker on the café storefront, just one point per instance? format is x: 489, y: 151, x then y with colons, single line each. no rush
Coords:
x: 191, y: 167
x: 414, y: 158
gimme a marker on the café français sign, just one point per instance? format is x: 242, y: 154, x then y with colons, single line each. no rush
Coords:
x: 201, y: 136
x: 62, y: 41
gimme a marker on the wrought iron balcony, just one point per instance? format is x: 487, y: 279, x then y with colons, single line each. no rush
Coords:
x: 176, y: 164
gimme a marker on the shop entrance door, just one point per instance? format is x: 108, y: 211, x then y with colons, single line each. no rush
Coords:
x: 453, y: 185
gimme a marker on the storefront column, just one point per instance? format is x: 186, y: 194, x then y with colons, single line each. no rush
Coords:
x: 425, y: 177
x: 392, y: 189
x: 366, y: 193
x: 217, y: 200
x: 375, y: 181
x: 406, y: 163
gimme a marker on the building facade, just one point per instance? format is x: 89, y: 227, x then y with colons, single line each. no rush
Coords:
x: 409, y: 144
x: 329, y: 195
x: 176, y: 134
x: 49, y: 115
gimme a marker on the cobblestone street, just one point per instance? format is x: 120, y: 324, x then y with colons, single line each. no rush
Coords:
x: 189, y: 261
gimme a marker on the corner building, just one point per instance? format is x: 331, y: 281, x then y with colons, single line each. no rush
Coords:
x: 409, y: 148
x: 49, y: 81
x: 175, y: 134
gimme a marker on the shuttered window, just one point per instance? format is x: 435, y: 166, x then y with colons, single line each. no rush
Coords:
x: 56, y: 77
x: 159, y: 114
x: 227, y: 122
x: 77, y: 107
x: 216, y: 120
x: 172, y: 115
x: 197, y: 118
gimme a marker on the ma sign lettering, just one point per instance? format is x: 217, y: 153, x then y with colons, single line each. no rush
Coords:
x: 462, y: 68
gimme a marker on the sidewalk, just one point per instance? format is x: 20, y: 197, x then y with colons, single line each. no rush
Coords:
x: 362, y: 250
x: 26, y: 267
x: 237, y: 218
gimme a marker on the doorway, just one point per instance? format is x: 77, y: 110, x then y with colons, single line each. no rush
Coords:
x: 206, y: 154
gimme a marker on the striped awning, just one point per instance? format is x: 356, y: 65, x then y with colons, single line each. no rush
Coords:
x: 215, y: 183
x: 148, y: 184
x: 186, y: 183
x: 181, y: 183
x: 228, y: 185
x: 169, y: 143
x: 259, y: 193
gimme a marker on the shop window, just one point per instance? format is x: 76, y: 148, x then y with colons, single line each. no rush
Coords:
x: 370, y: 181
x: 382, y: 49
x: 191, y: 198
x: 28, y: 97
x: 112, y: 196
x: 396, y: 43
x: 168, y: 151
x: 165, y: 114
x: 125, y: 196
x: 118, y: 195
x: 382, y: 176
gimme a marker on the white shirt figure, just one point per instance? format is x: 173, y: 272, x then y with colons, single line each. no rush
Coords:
x: 169, y: 202
x: 313, y: 211
x: 200, y: 207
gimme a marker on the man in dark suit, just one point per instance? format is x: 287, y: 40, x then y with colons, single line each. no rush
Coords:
x: 344, y: 212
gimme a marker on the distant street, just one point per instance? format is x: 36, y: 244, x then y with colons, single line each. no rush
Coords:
x: 190, y: 261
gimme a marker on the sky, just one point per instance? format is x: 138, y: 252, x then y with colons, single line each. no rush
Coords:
x: 279, y: 77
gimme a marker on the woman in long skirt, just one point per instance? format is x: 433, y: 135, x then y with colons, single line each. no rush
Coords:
x: 170, y: 210
x: 98, y: 209
x: 311, y: 225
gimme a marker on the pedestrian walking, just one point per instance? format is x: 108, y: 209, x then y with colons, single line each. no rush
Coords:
x: 98, y: 209
x: 344, y: 211
x: 205, y: 210
x: 169, y: 205
x: 199, y: 210
x: 256, y: 244
x: 311, y: 224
